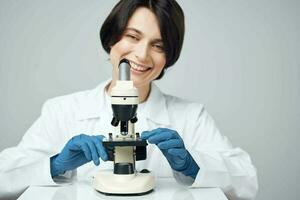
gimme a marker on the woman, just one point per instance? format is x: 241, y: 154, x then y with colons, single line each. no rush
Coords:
x: 187, y: 145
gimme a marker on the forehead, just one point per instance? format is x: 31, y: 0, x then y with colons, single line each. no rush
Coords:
x: 145, y: 21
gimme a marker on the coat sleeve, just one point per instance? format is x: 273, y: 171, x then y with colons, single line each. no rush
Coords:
x: 28, y: 163
x: 221, y: 165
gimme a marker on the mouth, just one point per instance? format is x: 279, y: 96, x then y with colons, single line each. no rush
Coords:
x: 135, y: 67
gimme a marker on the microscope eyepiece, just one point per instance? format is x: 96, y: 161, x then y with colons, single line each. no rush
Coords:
x: 124, y: 60
x: 124, y: 70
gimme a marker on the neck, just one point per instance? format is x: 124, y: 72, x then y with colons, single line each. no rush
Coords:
x: 144, y: 90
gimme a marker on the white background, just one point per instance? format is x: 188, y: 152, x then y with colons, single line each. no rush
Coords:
x: 240, y: 59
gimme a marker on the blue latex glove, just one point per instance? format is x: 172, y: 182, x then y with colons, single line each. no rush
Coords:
x: 172, y: 147
x: 78, y: 151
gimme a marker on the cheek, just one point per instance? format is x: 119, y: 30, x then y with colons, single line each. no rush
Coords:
x: 160, y: 62
x: 119, y: 49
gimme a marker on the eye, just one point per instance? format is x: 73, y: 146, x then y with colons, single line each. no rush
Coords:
x: 158, y: 47
x: 132, y: 37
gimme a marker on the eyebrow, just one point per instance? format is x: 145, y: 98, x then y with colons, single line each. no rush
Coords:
x: 141, y: 33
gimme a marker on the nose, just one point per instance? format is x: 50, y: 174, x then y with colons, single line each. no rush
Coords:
x: 141, y: 52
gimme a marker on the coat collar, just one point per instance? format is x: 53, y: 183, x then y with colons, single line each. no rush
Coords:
x: 95, y: 104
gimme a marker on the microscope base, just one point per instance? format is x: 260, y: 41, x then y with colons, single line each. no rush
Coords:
x: 119, y: 184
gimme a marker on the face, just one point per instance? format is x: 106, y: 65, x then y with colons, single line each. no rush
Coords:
x: 142, y: 45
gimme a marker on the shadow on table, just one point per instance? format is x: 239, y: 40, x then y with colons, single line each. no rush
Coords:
x: 74, y: 192
x: 182, y: 194
x: 66, y: 193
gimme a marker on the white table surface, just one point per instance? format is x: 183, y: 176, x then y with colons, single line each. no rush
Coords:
x: 166, y: 188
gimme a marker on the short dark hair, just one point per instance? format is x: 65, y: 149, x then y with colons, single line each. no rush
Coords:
x: 171, y: 23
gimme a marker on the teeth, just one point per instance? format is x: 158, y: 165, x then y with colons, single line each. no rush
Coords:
x: 138, y: 67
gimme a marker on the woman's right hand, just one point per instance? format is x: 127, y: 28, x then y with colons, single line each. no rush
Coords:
x: 79, y: 150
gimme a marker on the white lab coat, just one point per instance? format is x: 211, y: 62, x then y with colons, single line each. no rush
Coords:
x: 89, y: 112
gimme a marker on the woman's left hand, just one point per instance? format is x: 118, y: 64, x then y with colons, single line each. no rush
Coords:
x: 172, y: 146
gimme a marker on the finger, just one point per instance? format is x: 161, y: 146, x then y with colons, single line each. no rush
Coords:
x: 172, y: 143
x: 177, y: 163
x: 162, y: 136
x: 93, y: 150
x: 95, y: 141
x: 175, y: 134
x: 146, y: 134
x: 179, y: 152
x: 75, y: 143
x: 100, y: 148
x: 86, y: 151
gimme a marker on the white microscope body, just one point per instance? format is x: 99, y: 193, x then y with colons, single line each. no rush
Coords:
x: 125, y: 146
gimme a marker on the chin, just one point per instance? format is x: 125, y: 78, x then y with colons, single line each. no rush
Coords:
x: 138, y: 82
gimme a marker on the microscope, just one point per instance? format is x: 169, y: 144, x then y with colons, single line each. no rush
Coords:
x: 125, y: 146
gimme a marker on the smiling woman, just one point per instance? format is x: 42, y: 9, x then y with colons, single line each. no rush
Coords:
x: 141, y: 44
x: 147, y: 33
x: 167, y: 20
x: 187, y: 145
